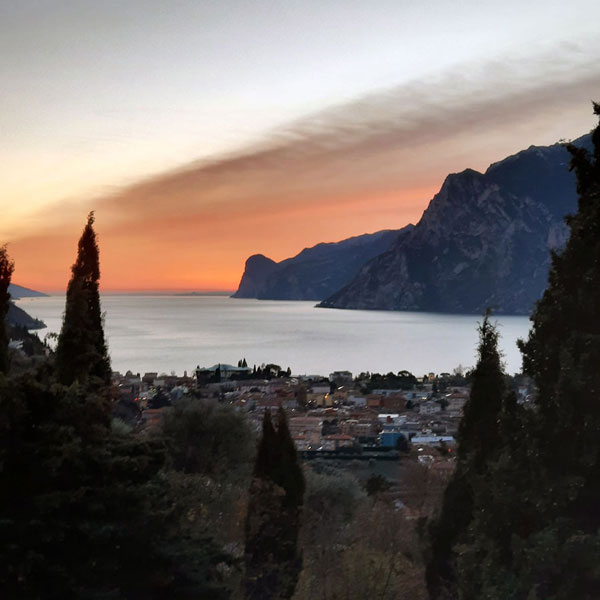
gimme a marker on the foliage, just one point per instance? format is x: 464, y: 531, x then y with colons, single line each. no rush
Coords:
x: 272, y: 560
x: 86, y: 510
x: 355, y: 547
x: 562, y: 356
x: 81, y: 353
x: 535, y: 495
x: 207, y: 438
x: 6, y: 270
x: 478, y: 442
x: 331, y: 493
x: 377, y: 484
x: 391, y: 381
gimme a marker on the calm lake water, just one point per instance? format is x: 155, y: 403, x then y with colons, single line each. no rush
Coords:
x: 176, y: 333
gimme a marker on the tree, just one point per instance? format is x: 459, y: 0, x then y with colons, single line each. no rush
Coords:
x: 535, y: 514
x: 377, y: 484
x: 207, y: 438
x: 81, y: 353
x: 478, y: 442
x: 273, y: 562
x: 562, y: 355
x: 86, y: 512
x: 6, y: 270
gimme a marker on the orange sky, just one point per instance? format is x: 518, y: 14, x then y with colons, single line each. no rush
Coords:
x: 354, y: 168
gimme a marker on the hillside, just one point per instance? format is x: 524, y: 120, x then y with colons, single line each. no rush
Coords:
x: 314, y: 273
x: 483, y: 241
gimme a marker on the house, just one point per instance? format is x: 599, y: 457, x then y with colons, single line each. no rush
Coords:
x: 335, y: 441
x: 320, y: 388
x: 429, y: 407
x: 341, y: 378
x: 356, y: 400
x: 226, y: 371
x: 308, y: 427
x: 375, y: 400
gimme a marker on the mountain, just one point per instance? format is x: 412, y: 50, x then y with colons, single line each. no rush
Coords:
x: 17, y: 316
x: 483, y: 241
x: 18, y: 291
x: 258, y: 267
x: 314, y: 273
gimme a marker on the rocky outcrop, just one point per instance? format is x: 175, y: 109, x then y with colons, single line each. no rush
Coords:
x: 258, y: 268
x: 314, y: 273
x: 18, y: 317
x: 484, y: 241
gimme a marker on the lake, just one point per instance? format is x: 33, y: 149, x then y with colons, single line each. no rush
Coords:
x: 177, y: 333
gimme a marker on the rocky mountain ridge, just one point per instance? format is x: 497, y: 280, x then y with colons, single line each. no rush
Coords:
x: 314, y: 273
x: 483, y: 241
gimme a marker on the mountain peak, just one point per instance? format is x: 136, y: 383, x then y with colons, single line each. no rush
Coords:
x: 482, y: 242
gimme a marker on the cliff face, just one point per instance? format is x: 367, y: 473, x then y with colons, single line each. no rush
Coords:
x: 483, y: 241
x: 257, y: 268
x: 18, y: 317
x: 315, y: 272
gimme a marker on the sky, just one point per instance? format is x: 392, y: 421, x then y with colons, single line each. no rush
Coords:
x: 202, y: 132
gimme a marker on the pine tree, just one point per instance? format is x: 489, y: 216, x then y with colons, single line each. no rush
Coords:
x: 478, y: 442
x: 273, y: 563
x: 6, y: 271
x: 81, y: 353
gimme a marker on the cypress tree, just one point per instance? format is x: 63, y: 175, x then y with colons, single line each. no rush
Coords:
x: 6, y: 270
x: 534, y: 532
x: 81, y: 353
x: 478, y: 441
x: 562, y: 355
x: 272, y: 560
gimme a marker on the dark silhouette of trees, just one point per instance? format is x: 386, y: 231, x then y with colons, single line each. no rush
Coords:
x: 273, y: 562
x: 6, y: 270
x: 86, y: 509
x: 81, y: 353
x: 533, y: 523
x: 562, y: 356
x: 478, y: 441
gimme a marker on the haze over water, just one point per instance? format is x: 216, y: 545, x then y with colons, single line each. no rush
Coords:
x: 177, y: 333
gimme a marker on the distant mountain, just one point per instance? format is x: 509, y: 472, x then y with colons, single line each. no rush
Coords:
x: 17, y: 316
x: 258, y: 268
x: 17, y: 291
x: 483, y: 241
x: 316, y: 272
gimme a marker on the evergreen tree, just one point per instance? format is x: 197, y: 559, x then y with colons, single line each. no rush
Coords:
x: 478, y: 441
x: 81, y: 353
x: 272, y: 560
x: 562, y: 355
x: 6, y: 271
x: 534, y: 531
x: 86, y: 512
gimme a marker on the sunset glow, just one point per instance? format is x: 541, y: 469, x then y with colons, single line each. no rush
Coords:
x: 269, y: 135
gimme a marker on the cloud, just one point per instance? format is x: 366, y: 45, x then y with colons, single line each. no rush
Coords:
x: 364, y: 165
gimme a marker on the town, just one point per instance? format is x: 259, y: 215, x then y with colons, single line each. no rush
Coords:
x: 364, y: 417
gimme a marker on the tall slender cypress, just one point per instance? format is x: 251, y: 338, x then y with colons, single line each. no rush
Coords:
x: 478, y: 442
x: 6, y: 270
x: 273, y: 562
x: 81, y: 353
